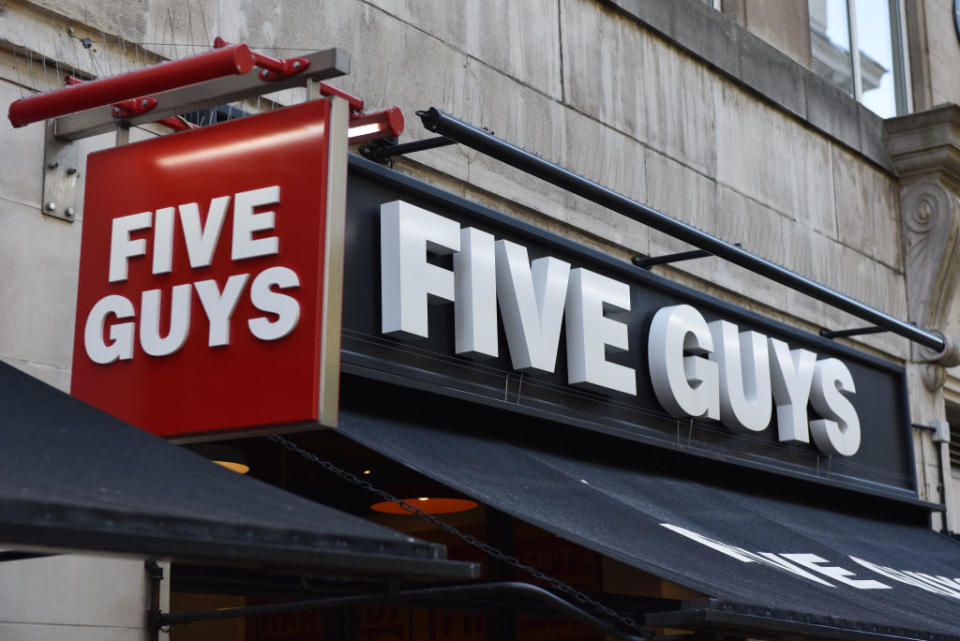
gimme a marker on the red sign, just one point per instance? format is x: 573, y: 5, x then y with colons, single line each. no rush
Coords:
x: 210, y: 275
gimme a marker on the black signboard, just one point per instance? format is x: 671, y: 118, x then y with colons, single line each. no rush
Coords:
x: 883, y: 464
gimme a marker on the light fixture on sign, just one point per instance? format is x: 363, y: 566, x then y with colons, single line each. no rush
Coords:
x: 225, y: 456
x: 428, y: 504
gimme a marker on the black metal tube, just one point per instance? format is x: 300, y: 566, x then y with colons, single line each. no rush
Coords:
x: 511, y: 587
x: 390, y: 151
x: 647, y: 263
x: 446, y: 125
x: 857, y: 331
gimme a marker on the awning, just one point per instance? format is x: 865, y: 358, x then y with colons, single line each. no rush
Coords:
x: 73, y: 478
x: 808, y: 560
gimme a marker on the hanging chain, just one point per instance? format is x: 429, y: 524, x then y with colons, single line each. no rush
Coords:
x: 486, y: 548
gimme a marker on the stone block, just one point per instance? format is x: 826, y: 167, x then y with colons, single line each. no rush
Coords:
x: 872, y: 140
x: 38, y: 260
x: 115, y: 17
x: 832, y: 111
x: 21, y: 180
x: 768, y: 156
x: 679, y: 106
x: 773, y: 74
x: 680, y: 192
x: 708, y: 33
x: 868, y: 208
x: 603, y: 66
x: 520, y: 39
x: 58, y: 590
x: 58, y: 377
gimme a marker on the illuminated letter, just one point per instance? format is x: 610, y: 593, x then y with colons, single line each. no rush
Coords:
x: 792, y: 374
x: 265, y: 299
x: 531, y: 298
x: 122, y: 247
x: 684, y: 385
x: 589, y: 332
x: 121, y: 334
x: 150, y: 339
x: 407, y: 281
x: 475, y: 285
x: 219, y: 306
x: 839, y: 431
x: 245, y: 223
x: 745, y: 402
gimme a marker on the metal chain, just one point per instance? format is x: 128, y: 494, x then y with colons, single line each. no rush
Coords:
x: 486, y: 548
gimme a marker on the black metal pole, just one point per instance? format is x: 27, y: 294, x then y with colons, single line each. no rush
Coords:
x: 446, y: 125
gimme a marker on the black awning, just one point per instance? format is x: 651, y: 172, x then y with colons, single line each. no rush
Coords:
x: 73, y: 478
x: 864, y: 570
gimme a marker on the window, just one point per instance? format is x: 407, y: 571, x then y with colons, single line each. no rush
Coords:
x: 876, y: 76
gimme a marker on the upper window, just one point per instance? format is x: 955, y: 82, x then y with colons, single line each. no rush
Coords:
x: 876, y: 76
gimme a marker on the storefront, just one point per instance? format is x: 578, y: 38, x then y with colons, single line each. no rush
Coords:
x: 591, y: 449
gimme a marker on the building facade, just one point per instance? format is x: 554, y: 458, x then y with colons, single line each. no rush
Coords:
x: 748, y: 119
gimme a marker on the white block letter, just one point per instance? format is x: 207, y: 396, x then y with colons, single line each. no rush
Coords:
x: 122, y: 247
x: 791, y: 374
x: 201, y: 240
x: 408, y: 282
x: 245, y: 223
x: 745, y: 402
x: 531, y: 297
x: 475, y: 294
x: 589, y: 332
x: 265, y: 299
x: 150, y: 339
x: 121, y: 334
x: 684, y: 385
x: 163, y: 241
x: 838, y: 432
x: 219, y: 306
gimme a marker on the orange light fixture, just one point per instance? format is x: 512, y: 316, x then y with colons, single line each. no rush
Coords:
x: 233, y: 466
x: 427, y: 504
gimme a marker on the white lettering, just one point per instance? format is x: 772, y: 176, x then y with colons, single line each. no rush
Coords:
x: 531, y: 297
x: 839, y: 431
x: 791, y: 374
x: 122, y: 246
x: 408, y: 281
x: 745, y: 401
x: 163, y: 241
x: 219, y: 306
x: 815, y: 563
x: 685, y: 385
x: 589, y: 332
x: 150, y: 339
x: 265, y: 299
x: 475, y: 293
x: 121, y: 334
x: 201, y: 239
x: 245, y: 223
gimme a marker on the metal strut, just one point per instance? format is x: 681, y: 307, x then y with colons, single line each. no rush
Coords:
x: 857, y: 331
x: 475, y: 138
x: 652, y: 261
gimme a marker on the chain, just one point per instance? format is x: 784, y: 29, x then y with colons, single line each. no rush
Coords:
x: 486, y: 548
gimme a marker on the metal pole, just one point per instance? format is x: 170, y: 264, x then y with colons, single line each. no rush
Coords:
x: 235, y: 59
x: 446, y: 125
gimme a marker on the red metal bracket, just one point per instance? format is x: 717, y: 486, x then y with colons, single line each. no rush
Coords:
x: 133, y: 107
x: 235, y: 59
x: 375, y: 125
x: 271, y: 68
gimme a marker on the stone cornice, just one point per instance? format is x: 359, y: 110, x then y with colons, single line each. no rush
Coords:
x: 925, y: 143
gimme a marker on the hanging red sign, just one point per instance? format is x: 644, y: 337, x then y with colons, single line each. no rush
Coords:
x: 211, y: 275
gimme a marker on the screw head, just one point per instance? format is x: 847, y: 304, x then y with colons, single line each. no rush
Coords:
x: 69, y: 212
x: 144, y: 102
x: 71, y: 170
x: 296, y: 64
x: 51, y: 206
x: 52, y: 164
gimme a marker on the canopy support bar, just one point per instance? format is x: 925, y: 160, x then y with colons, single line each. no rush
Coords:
x: 441, y: 123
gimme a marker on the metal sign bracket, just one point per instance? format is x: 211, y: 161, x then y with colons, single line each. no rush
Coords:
x: 61, y: 176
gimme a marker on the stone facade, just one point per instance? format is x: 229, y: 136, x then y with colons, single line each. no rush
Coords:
x: 669, y: 102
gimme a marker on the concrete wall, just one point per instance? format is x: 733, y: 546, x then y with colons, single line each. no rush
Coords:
x: 793, y: 173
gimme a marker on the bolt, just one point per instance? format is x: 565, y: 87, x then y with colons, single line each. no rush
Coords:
x: 70, y: 30
x: 69, y: 212
x: 144, y: 102
x: 52, y: 164
x: 296, y: 64
x: 264, y: 74
x: 71, y: 171
x: 51, y: 206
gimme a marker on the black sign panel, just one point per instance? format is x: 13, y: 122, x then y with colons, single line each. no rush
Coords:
x: 883, y: 464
